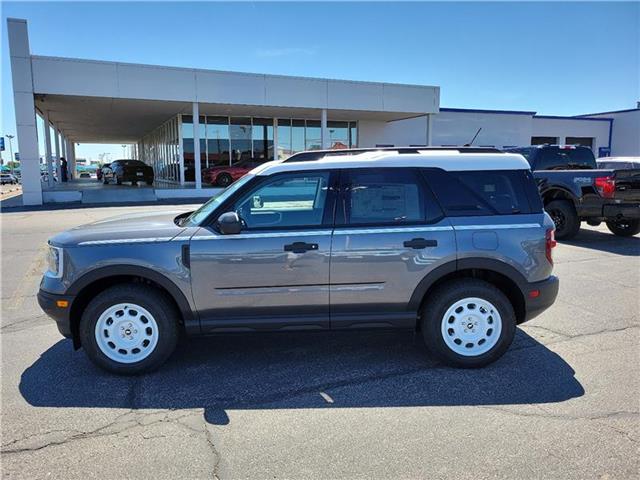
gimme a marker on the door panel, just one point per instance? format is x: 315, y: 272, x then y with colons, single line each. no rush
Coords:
x: 373, y: 271
x: 252, y: 275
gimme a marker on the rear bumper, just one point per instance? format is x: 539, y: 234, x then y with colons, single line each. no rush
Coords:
x: 48, y: 303
x: 547, y: 293
x: 627, y: 210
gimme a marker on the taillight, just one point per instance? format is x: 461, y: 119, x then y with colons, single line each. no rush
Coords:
x: 550, y: 241
x: 606, y: 186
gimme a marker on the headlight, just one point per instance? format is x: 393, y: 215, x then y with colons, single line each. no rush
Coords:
x: 54, y: 262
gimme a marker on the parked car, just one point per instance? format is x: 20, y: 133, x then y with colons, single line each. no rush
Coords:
x: 619, y: 163
x: 133, y: 171
x: 99, y: 170
x: 7, y: 178
x: 223, y: 176
x: 455, y: 246
x: 84, y: 175
x: 574, y: 190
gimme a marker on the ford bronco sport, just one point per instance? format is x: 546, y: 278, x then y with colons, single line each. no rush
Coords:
x: 453, y: 244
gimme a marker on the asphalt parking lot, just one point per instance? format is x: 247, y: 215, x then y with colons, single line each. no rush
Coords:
x: 563, y: 403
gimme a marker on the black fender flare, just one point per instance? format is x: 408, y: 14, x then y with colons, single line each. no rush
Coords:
x: 546, y: 188
x: 438, y: 273
x: 138, y: 271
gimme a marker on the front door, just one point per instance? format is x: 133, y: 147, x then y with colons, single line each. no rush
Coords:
x: 275, y: 273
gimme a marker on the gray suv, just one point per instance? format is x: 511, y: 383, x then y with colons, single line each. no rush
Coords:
x: 453, y: 244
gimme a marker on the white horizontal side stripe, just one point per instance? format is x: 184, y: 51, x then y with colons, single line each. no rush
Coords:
x: 308, y: 233
x: 126, y: 240
x: 364, y: 231
x: 497, y: 227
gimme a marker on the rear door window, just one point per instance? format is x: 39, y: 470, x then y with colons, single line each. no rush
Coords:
x: 388, y: 196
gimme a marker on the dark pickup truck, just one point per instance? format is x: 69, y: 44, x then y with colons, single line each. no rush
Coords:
x: 573, y: 190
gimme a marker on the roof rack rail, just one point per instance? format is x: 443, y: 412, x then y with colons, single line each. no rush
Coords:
x: 311, y: 155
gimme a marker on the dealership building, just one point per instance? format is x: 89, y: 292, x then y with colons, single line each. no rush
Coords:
x: 172, y: 116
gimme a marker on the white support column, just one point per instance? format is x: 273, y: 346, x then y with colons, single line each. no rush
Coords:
x: 275, y: 139
x: 324, y: 132
x: 26, y: 131
x: 196, y: 144
x: 47, y: 148
x: 58, y: 151
x: 180, y: 150
x: 429, y: 129
x: 562, y: 140
x: 63, y: 141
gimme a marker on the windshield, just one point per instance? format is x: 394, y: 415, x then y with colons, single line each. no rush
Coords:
x: 214, y: 202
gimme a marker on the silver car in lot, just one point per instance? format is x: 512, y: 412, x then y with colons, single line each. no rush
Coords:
x: 454, y: 244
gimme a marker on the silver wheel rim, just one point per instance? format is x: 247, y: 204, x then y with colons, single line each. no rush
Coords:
x: 471, y: 327
x: 126, y: 333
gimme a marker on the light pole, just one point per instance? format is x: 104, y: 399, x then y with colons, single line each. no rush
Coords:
x: 11, y: 159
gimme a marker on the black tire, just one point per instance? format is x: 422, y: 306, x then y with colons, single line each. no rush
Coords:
x: 444, y: 297
x: 224, y: 180
x: 625, y: 227
x: 149, y: 298
x: 118, y: 180
x: 105, y: 181
x: 149, y: 182
x: 564, y: 217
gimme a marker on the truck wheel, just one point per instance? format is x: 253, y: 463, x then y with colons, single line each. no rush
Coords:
x: 118, y: 180
x: 224, y: 180
x: 129, y: 329
x: 564, y: 217
x: 468, y: 323
x: 624, y: 227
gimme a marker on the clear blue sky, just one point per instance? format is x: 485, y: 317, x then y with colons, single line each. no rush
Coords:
x: 553, y: 58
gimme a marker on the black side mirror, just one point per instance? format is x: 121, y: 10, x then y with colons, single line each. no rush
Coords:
x: 229, y: 223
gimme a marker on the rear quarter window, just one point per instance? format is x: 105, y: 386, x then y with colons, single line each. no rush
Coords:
x: 495, y: 192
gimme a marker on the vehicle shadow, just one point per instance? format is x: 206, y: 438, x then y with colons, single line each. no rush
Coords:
x: 296, y: 370
x: 606, y: 242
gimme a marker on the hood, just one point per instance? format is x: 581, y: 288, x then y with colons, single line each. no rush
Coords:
x: 152, y: 227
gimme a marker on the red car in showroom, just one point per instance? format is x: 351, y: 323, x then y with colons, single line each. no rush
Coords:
x: 223, y: 176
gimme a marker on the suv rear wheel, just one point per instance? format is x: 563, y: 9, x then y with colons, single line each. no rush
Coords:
x: 564, y: 217
x: 624, y: 227
x: 129, y: 329
x: 468, y: 323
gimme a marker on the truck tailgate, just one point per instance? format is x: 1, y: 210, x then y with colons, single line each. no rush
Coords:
x: 627, y: 185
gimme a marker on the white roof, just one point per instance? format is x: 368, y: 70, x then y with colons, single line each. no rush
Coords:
x: 618, y: 159
x: 447, y: 160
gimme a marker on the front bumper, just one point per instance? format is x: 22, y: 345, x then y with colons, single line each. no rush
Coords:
x: 61, y: 315
x: 547, y: 293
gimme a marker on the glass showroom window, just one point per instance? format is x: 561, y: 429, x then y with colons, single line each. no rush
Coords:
x: 338, y: 135
x: 262, y: 138
x: 240, y: 134
x: 297, y: 136
x: 314, y: 135
x: 187, y: 145
x: 217, y: 141
x: 284, y: 138
x: 353, y: 135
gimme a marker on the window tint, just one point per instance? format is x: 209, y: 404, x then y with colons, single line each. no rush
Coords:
x: 385, y: 196
x: 550, y: 158
x: 481, y: 192
x: 293, y: 200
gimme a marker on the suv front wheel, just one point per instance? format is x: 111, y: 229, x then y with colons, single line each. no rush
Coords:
x: 129, y: 329
x: 468, y: 323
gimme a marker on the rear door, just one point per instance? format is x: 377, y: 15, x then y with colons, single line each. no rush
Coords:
x: 389, y: 234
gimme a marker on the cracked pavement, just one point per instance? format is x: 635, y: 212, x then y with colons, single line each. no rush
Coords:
x: 564, y: 402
